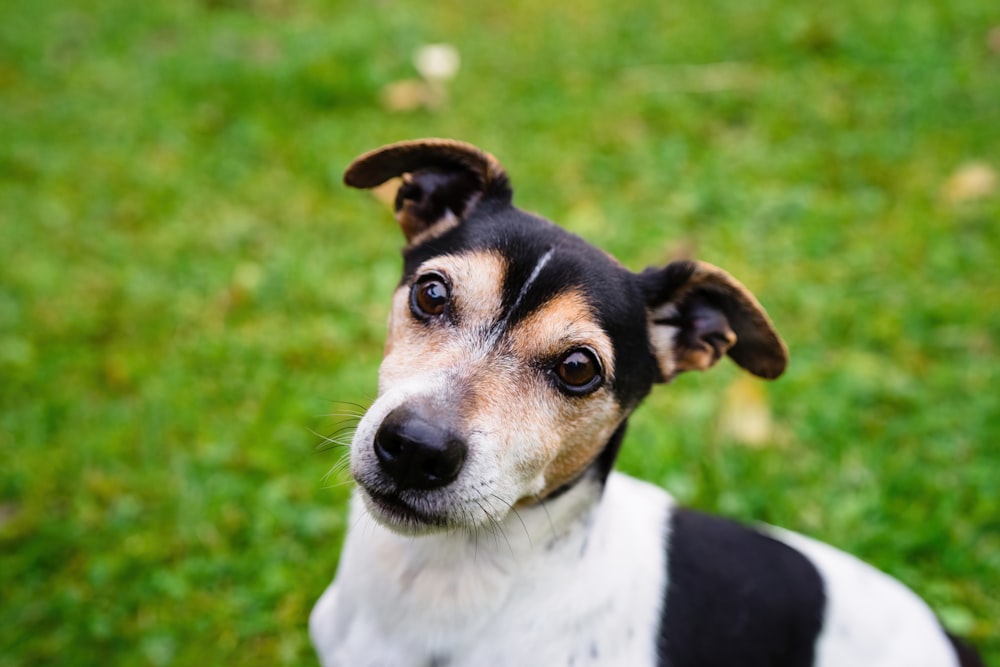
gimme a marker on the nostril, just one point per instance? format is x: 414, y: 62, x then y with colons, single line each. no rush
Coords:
x: 418, y: 454
x: 387, y: 443
x: 446, y: 464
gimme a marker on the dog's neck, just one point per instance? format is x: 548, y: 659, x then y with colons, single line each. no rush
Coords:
x: 440, y: 591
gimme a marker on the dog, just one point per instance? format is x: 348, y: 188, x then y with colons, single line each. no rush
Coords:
x: 488, y: 528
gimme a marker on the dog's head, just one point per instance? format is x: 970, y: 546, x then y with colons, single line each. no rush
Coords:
x: 516, y: 350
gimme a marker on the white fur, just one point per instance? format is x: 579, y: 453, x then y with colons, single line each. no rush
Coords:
x: 573, y: 582
x: 663, y: 337
x: 871, y: 620
x: 570, y: 583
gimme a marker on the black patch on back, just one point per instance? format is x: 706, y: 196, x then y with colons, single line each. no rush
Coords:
x: 967, y: 655
x: 736, y: 597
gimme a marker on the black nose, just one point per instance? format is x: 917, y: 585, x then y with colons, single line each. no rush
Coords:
x: 416, y: 453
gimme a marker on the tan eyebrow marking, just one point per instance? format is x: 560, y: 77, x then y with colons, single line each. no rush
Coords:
x: 476, y: 279
x: 564, y: 322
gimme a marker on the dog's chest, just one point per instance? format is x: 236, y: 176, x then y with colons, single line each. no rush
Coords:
x: 591, y: 596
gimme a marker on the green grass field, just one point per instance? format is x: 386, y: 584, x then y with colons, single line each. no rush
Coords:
x: 188, y: 293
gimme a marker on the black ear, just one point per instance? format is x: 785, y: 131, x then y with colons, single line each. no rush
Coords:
x: 443, y: 180
x: 698, y: 312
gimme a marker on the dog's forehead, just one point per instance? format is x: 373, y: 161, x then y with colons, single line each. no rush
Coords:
x: 539, y: 261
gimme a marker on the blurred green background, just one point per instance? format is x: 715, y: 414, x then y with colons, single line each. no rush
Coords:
x: 187, y: 291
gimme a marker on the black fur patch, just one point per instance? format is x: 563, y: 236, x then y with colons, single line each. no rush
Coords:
x: 736, y: 597
x: 968, y: 656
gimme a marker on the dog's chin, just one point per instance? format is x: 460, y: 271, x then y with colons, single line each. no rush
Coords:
x: 399, y: 516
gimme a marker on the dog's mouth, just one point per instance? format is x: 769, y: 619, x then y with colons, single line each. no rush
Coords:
x: 395, y: 512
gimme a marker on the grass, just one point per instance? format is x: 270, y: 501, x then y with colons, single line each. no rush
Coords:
x: 187, y: 291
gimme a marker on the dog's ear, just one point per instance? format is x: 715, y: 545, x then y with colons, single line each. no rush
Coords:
x: 443, y: 180
x: 698, y: 312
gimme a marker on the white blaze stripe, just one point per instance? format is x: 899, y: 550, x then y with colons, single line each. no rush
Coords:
x: 542, y: 261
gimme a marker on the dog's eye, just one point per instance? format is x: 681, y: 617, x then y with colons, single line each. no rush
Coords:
x: 578, y: 371
x: 429, y: 296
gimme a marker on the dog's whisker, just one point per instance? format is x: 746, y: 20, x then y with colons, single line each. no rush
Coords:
x: 497, y: 527
x: 344, y: 415
x: 517, y: 514
x: 346, y: 426
x: 343, y: 432
x: 338, y: 485
x: 548, y: 517
x: 329, y: 444
x: 464, y: 527
x: 339, y: 468
x: 503, y: 533
x: 352, y: 404
x: 351, y: 422
x: 336, y: 439
x: 485, y: 527
x: 341, y: 439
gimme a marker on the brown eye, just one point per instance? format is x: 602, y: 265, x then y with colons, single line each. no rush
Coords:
x: 579, y: 371
x: 429, y: 296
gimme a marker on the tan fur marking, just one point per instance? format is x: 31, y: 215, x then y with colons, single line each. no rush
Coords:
x: 476, y: 280
x: 446, y: 223
x: 562, y: 323
x: 581, y: 446
x: 583, y: 424
x: 662, y: 340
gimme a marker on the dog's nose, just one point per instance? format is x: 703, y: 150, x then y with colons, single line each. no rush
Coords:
x: 418, y: 454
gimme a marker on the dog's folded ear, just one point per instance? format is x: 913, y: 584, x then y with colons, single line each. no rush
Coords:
x: 443, y: 180
x: 698, y: 312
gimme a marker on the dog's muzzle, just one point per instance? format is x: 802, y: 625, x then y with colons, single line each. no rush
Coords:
x: 416, y: 453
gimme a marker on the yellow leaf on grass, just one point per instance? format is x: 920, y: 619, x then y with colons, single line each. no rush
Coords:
x: 746, y: 413
x: 973, y: 180
x: 407, y: 95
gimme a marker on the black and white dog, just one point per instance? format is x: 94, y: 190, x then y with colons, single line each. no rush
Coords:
x: 488, y: 528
